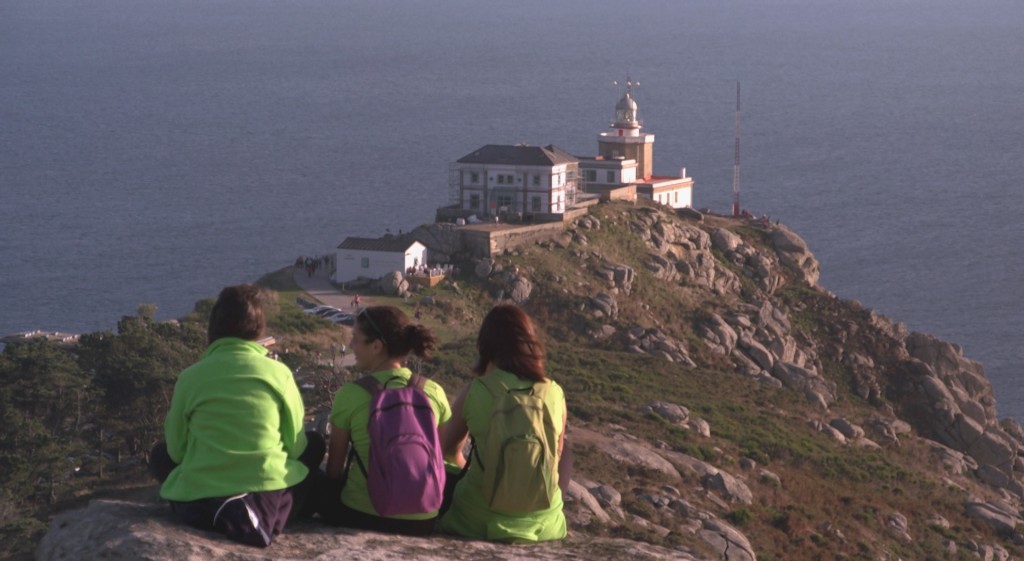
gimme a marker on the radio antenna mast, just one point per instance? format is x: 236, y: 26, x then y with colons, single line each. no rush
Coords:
x: 736, y: 160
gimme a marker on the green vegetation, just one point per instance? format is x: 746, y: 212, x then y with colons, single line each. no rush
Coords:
x: 78, y: 422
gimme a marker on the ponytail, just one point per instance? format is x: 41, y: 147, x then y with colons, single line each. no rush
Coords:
x: 419, y: 340
x: 400, y: 336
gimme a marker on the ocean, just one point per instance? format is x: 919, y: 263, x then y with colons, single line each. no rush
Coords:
x: 153, y: 152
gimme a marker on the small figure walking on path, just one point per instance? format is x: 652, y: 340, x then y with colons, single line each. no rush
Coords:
x: 355, y: 302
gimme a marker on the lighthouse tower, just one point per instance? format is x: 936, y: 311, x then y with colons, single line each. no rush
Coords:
x: 625, y: 141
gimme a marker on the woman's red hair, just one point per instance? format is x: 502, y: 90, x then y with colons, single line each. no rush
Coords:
x: 508, y: 340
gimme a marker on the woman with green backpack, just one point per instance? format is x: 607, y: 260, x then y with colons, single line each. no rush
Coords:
x: 516, y: 418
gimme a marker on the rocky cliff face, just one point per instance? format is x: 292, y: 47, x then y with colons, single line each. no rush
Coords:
x: 755, y: 314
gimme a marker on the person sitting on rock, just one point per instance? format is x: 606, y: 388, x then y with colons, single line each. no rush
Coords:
x: 382, y: 337
x: 236, y: 458
x: 510, y: 488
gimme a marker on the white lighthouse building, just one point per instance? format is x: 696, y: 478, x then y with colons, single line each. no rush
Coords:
x: 626, y: 158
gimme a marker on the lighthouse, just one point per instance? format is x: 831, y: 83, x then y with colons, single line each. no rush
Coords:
x: 625, y: 141
x: 624, y: 165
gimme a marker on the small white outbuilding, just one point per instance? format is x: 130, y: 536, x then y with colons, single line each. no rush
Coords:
x: 375, y: 257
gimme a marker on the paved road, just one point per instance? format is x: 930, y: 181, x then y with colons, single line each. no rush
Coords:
x: 320, y: 289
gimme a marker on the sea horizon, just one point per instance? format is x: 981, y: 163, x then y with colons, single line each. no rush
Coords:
x: 151, y: 154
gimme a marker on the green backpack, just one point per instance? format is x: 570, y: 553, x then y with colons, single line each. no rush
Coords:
x: 520, y: 459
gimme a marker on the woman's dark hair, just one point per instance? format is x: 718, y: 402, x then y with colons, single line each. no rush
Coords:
x: 399, y: 335
x: 238, y: 312
x: 507, y: 340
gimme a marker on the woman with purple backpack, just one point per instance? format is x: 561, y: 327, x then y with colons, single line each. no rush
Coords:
x: 385, y: 471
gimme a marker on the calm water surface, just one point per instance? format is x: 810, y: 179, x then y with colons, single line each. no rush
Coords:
x: 152, y: 152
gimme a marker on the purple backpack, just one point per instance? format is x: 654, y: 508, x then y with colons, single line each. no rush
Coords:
x: 405, y: 473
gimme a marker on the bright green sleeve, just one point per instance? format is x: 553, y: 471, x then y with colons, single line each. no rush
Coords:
x: 292, y: 432
x: 176, y: 425
x: 439, y: 401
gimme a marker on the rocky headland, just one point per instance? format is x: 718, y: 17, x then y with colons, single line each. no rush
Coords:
x: 722, y: 406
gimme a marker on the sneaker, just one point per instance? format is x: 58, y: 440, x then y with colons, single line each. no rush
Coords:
x: 240, y: 522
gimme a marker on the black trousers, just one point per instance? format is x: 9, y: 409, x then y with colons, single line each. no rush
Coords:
x: 326, y: 501
x: 250, y: 518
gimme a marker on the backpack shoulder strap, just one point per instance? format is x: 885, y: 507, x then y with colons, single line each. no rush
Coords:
x: 540, y: 389
x: 492, y: 385
x: 372, y: 387
x: 417, y: 381
x: 370, y: 384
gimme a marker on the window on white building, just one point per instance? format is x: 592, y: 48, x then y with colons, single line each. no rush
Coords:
x: 365, y: 263
x: 535, y: 204
x: 474, y: 177
x: 536, y: 180
x: 591, y: 175
x: 610, y: 177
x: 474, y: 201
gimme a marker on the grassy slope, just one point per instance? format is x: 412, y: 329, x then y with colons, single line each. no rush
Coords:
x: 833, y: 501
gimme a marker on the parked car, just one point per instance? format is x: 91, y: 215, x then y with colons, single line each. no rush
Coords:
x: 319, y: 310
x: 343, y: 318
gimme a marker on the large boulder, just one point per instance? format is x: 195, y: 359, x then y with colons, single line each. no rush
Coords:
x: 579, y: 493
x: 626, y: 450
x: 729, y: 487
x: 810, y: 382
x: 671, y: 412
x: 960, y: 404
x: 998, y: 514
x: 393, y: 283
x: 483, y: 268
x: 719, y: 335
x: 605, y: 304
x: 724, y: 240
x: 520, y: 289
x: 964, y: 377
x: 793, y: 253
x: 129, y: 531
x: 729, y: 542
x: 756, y: 351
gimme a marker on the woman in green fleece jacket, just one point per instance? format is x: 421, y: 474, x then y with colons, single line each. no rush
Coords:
x: 236, y: 458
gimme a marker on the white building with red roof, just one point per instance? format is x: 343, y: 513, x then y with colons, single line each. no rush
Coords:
x: 541, y: 184
x: 626, y: 158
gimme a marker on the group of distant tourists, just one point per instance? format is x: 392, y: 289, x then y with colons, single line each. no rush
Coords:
x: 425, y: 270
x: 399, y: 458
x: 311, y: 264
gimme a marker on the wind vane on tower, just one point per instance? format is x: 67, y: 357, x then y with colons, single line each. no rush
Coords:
x: 629, y: 85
